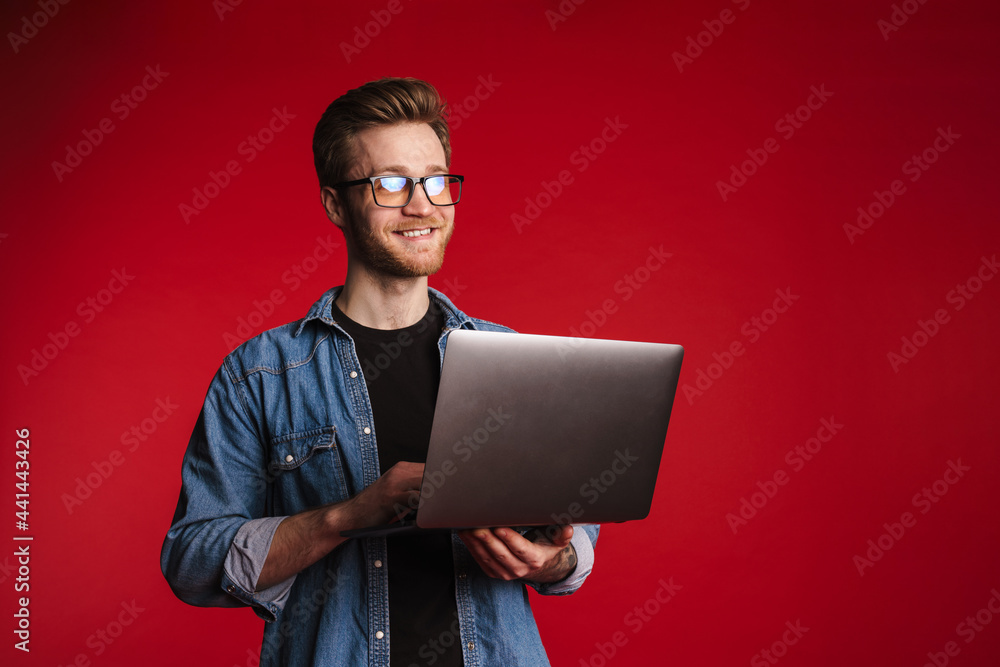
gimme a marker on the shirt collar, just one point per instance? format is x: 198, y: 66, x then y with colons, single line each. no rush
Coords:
x: 323, y: 310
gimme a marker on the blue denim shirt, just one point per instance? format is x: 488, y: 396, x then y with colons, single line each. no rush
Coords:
x: 287, y: 426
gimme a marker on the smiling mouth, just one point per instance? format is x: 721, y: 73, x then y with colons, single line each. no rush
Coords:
x: 414, y: 233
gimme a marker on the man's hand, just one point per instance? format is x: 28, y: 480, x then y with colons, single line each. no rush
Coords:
x: 394, y: 494
x: 304, y: 538
x: 504, y: 554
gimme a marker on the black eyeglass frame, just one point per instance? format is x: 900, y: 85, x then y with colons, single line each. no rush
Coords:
x: 413, y: 188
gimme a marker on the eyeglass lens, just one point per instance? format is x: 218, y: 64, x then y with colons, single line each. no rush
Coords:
x: 396, y: 190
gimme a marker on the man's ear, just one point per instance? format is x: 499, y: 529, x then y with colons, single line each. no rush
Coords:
x: 335, y: 205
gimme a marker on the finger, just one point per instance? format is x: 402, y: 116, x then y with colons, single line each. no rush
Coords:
x: 563, y: 537
x: 479, y: 553
x: 522, y: 548
x: 495, y: 554
x: 412, y: 473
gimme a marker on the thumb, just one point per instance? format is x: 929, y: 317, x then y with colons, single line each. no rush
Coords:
x: 563, y: 537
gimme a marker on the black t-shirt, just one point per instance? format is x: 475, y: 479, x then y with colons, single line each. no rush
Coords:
x: 402, y: 369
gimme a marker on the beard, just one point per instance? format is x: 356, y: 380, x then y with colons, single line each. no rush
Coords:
x: 377, y: 254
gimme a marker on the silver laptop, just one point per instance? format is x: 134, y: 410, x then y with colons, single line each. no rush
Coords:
x: 536, y: 430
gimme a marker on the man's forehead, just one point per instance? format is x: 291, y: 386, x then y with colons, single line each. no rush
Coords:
x: 394, y: 148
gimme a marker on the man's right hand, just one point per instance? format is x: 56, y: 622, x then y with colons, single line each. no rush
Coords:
x: 395, y: 493
x: 304, y: 538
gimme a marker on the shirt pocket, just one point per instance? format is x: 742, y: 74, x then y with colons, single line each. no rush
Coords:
x: 306, y: 470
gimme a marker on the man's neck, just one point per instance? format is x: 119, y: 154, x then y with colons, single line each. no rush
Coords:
x: 383, y: 302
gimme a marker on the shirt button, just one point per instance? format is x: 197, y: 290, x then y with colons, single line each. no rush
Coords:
x: 461, y: 575
x: 367, y: 431
x: 230, y: 588
x: 289, y: 458
x: 379, y: 634
x: 471, y: 646
x: 354, y: 374
x: 378, y: 563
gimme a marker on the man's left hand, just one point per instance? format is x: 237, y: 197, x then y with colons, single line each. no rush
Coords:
x: 505, y: 554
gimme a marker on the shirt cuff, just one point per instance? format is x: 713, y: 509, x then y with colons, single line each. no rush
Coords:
x: 245, y: 560
x: 584, y: 564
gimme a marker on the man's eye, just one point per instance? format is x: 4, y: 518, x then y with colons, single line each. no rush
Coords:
x: 434, y: 186
x: 392, y: 184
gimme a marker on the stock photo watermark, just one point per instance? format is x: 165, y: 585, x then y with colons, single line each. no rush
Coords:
x: 968, y: 629
x: 914, y: 168
x: 752, y: 329
x: 581, y: 158
x: 635, y: 620
x: 624, y: 288
x: 464, y: 449
x: 31, y: 25
x: 592, y: 490
x: 562, y: 12
x: 696, y: 44
x: 364, y: 34
x: 459, y: 112
x: 786, y: 126
x: 102, y: 638
x: 294, y: 276
x: 900, y: 14
x: 248, y: 149
x: 58, y: 340
x: 924, y: 500
x: 958, y: 297
x: 223, y: 7
x: 797, y: 458
x: 131, y: 440
x: 779, y: 648
x: 122, y: 107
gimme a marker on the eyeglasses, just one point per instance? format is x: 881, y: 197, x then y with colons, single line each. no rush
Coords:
x: 397, y: 191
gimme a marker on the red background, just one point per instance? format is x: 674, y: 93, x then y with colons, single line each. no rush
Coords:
x: 654, y: 186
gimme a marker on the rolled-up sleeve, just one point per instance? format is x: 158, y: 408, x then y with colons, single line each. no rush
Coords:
x: 223, y: 489
x: 245, y: 561
x: 584, y: 540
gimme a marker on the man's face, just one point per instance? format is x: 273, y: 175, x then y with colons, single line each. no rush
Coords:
x: 399, y: 242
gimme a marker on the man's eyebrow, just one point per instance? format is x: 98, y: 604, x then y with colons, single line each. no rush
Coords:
x: 401, y: 170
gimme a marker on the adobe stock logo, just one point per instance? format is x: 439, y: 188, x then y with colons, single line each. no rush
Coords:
x: 636, y: 621
x: 132, y: 439
x: 626, y: 286
x: 927, y: 329
x: 967, y: 629
x: 915, y: 167
x: 714, y: 28
x: 898, y: 18
x: 796, y: 458
x: 786, y: 126
x: 753, y: 329
x: 458, y: 112
x: 779, y: 649
x: 381, y: 18
x: 38, y: 20
x: 59, y: 340
x: 923, y: 500
x: 249, y: 149
x: 566, y: 8
x: 122, y: 106
x: 581, y: 158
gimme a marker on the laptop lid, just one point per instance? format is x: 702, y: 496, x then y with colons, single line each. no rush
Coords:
x: 536, y: 430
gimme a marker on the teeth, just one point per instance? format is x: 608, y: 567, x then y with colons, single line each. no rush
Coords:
x: 417, y: 232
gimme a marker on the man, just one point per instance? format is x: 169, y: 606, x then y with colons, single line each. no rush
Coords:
x: 314, y: 428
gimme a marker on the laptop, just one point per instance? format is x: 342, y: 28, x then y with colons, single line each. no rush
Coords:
x: 533, y: 430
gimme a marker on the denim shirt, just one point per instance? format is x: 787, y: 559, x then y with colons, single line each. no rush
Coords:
x: 286, y: 427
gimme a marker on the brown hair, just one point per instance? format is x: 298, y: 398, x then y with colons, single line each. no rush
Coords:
x: 386, y: 101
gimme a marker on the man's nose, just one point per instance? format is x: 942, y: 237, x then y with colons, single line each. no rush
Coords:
x: 420, y: 204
